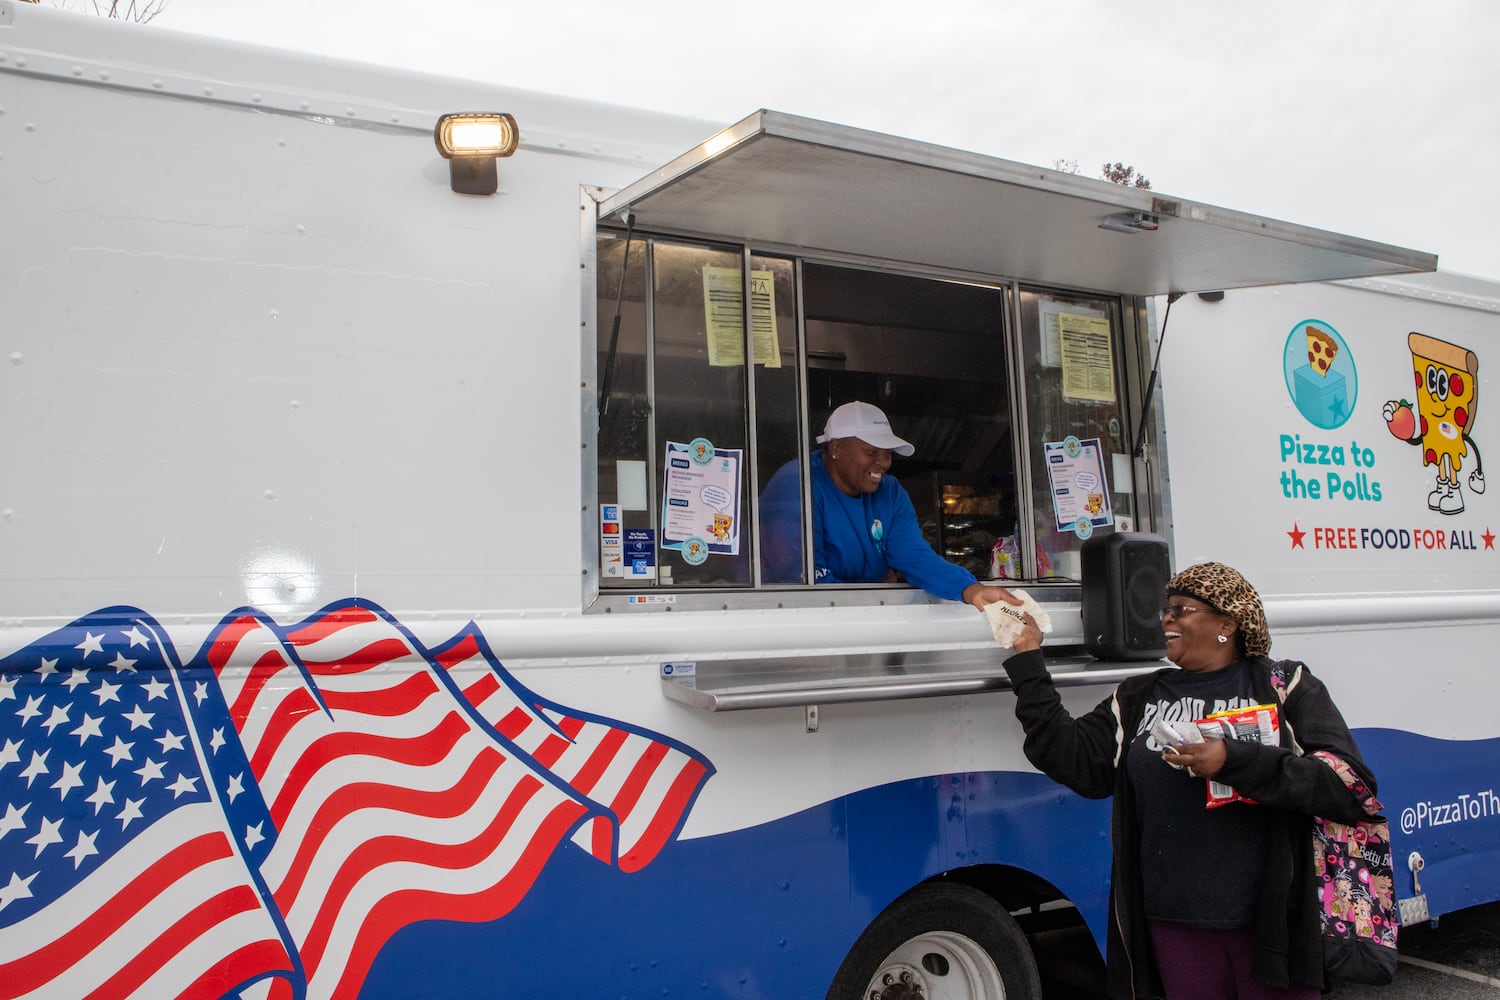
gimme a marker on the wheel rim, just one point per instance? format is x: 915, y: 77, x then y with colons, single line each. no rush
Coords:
x: 940, y: 965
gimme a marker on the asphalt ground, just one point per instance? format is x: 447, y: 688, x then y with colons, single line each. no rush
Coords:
x: 1459, y: 959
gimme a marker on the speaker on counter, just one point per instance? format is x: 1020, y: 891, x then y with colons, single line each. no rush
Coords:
x: 1124, y: 578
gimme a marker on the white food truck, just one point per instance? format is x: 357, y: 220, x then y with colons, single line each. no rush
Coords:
x: 387, y: 605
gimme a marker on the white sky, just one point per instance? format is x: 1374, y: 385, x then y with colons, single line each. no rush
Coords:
x: 1375, y: 118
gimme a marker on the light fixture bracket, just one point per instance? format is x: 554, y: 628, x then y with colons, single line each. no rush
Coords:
x: 1131, y: 222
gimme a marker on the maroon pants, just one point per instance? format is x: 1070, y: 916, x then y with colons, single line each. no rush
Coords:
x: 1201, y: 964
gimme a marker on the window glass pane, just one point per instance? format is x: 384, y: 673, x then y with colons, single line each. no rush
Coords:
x: 624, y: 414
x: 777, y: 424
x: 699, y: 395
x: 1070, y: 348
x: 930, y: 353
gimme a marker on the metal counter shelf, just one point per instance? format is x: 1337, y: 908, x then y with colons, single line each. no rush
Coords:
x: 736, y: 685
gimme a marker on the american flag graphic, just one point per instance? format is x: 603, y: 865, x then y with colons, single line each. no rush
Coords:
x: 260, y: 821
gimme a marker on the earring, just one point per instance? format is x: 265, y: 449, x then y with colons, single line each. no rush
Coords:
x: 1223, y: 637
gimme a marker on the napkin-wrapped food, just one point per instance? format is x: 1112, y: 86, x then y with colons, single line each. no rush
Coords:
x: 1005, y: 619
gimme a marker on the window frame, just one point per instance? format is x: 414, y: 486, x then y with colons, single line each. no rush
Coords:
x: 1131, y: 359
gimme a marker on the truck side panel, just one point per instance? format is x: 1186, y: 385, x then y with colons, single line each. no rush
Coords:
x: 1341, y: 512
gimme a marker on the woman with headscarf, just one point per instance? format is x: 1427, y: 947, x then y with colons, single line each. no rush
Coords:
x: 1205, y: 902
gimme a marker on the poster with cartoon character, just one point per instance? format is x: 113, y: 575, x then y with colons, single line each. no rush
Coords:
x: 1446, y: 396
x: 701, y: 500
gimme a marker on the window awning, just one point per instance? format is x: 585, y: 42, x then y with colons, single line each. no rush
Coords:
x: 780, y: 181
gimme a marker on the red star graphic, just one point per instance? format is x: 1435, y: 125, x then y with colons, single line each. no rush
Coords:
x: 1489, y: 538
x: 1296, y: 533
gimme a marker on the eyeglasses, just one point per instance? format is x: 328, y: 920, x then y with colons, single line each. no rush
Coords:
x: 1177, y: 611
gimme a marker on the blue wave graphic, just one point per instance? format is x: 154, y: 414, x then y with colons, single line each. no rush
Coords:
x: 766, y: 912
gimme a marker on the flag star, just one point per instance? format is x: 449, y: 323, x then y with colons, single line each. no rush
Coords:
x: 104, y: 795
x: 120, y: 751
x: 236, y: 786
x: 47, y: 667
x: 89, y: 727
x: 58, y: 717
x: 8, y: 688
x: 217, y: 740
x: 156, y: 688
x: 31, y: 709
x: 122, y: 664
x: 149, y: 771
x: 253, y: 835
x: 46, y: 836
x: 91, y: 644
x: 10, y: 753
x: 131, y: 811
x: 19, y: 888
x: 37, y: 766
x: 14, y: 819
x: 137, y: 638
x: 83, y: 848
x: 169, y: 741
x: 139, y: 718
x: 78, y: 675
x: 183, y: 784
x: 107, y: 692
x: 69, y: 780
x: 200, y: 692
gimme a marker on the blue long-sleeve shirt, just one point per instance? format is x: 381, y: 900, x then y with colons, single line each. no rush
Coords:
x: 855, y: 539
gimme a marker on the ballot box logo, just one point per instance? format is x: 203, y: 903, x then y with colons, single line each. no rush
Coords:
x: 1320, y: 372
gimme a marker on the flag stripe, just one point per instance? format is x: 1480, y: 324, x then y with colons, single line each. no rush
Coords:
x: 398, y: 699
x: 375, y: 852
x: 392, y: 912
x: 27, y: 972
x: 167, y: 945
x: 293, y: 707
x: 478, y: 880
x: 391, y: 750
x: 330, y: 623
x: 371, y: 795
x: 376, y: 654
x: 663, y: 823
x: 239, y: 965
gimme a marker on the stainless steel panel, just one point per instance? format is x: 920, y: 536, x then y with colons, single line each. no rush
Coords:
x: 777, y: 179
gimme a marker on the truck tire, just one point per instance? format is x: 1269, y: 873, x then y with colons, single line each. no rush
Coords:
x: 941, y: 941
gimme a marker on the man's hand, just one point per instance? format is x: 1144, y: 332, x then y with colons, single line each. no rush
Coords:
x: 980, y: 594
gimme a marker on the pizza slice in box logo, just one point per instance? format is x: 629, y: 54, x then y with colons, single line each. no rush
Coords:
x: 1321, y: 350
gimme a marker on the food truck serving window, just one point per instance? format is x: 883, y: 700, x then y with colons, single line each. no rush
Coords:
x: 756, y: 282
x: 708, y: 421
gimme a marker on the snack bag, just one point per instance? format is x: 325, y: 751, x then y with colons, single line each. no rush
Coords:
x: 1258, y: 723
x: 1005, y: 560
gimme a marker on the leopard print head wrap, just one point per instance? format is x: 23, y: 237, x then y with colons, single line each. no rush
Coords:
x: 1230, y: 594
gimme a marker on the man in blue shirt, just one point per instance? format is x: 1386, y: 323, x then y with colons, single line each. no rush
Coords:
x: 864, y: 527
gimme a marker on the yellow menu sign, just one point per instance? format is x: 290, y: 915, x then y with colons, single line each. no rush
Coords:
x: 1088, y: 367
x: 724, y: 314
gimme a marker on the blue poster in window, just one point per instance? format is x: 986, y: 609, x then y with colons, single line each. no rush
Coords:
x: 1080, y: 491
x: 700, y: 511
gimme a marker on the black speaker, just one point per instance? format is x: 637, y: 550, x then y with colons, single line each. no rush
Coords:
x: 1125, y: 577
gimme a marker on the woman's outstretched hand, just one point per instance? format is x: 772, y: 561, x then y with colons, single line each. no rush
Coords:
x: 1030, y: 637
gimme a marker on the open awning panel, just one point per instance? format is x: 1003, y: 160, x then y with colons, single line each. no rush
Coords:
x: 779, y: 180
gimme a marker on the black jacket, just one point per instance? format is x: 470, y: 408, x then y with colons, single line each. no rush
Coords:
x: 1087, y: 754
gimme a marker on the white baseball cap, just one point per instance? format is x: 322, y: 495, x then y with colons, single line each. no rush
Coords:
x: 866, y: 422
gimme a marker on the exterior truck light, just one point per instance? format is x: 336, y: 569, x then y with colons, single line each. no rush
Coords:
x: 471, y: 143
